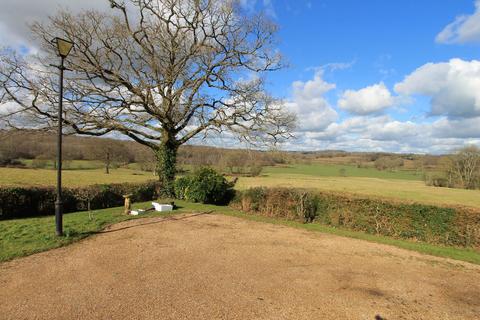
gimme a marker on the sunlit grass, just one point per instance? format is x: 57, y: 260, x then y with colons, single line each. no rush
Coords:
x: 71, y: 178
x: 408, y: 190
x: 333, y: 170
x: 67, y: 164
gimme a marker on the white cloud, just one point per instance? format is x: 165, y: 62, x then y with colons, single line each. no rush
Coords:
x: 454, y: 90
x: 368, y: 100
x: 15, y: 17
x: 309, y: 103
x: 465, y: 28
x: 454, y: 87
x: 457, y: 128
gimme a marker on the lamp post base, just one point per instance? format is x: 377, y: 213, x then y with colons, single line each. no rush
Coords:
x: 59, y: 217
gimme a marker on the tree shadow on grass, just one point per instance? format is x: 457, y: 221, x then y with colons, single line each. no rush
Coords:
x: 165, y: 219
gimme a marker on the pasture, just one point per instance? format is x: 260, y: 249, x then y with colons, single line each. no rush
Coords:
x: 403, y: 185
x: 336, y: 170
x: 405, y: 190
x: 70, y: 178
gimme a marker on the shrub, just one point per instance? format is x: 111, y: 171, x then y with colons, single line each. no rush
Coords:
x: 456, y: 226
x: 39, y: 163
x: 436, y: 180
x: 292, y: 204
x: 255, y: 171
x: 181, y: 186
x: 20, y: 202
x: 204, y: 185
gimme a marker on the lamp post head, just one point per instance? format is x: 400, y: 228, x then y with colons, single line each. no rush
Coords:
x: 63, y: 46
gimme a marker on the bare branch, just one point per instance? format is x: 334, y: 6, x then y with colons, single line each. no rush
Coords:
x: 153, y: 71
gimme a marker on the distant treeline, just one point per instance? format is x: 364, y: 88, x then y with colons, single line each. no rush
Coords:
x: 459, y: 170
x: 41, y: 147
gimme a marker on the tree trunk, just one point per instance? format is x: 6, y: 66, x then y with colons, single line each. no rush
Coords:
x: 107, y: 163
x: 166, y: 166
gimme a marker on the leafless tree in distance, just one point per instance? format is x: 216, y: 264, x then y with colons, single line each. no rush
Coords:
x: 157, y: 71
x: 464, y: 168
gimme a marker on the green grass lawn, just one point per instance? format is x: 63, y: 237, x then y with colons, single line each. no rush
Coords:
x: 22, y: 237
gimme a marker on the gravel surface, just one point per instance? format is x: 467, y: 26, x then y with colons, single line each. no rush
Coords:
x: 218, y: 267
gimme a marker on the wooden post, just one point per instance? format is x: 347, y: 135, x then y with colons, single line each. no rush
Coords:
x: 128, y: 203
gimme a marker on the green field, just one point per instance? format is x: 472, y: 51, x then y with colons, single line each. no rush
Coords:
x: 415, y: 191
x: 71, y: 178
x: 327, y: 170
x: 403, y: 185
x: 67, y: 165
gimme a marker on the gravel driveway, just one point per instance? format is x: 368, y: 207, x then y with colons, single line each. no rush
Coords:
x: 218, y: 267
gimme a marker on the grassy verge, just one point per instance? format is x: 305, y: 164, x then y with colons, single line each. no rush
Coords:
x: 23, y: 237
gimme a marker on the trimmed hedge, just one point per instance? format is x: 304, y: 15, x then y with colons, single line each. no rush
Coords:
x: 21, y: 202
x: 456, y: 226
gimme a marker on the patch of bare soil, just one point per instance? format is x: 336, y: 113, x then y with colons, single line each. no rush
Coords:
x: 219, y: 267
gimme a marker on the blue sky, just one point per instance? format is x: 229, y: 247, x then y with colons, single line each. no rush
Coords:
x: 371, y: 75
x: 358, y: 44
x: 385, y: 39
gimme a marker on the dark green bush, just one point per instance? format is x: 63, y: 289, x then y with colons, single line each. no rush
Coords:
x: 181, y: 186
x: 20, y: 202
x: 456, y: 226
x: 205, y: 186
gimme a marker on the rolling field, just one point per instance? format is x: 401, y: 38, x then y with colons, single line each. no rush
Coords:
x: 71, y: 178
x: 328, y: 170
x: 403, y: 185
x: 415, y: 191
x: 68, y: 165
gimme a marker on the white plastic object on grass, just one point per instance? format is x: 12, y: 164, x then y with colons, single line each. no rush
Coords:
x: 162, y: 207
x: 137, y: 212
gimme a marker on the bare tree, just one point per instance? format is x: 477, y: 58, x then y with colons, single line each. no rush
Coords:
x: 110, y: 153
x: 158, y: 71
x: 464, y: 167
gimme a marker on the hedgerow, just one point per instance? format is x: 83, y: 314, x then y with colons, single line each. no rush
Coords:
x: 458, y: 226
x: 20, y: 202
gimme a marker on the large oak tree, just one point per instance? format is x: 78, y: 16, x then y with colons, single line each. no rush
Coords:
x: 157, y: 71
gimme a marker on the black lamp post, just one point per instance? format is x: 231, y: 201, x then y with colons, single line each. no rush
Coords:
x: 63, y: 47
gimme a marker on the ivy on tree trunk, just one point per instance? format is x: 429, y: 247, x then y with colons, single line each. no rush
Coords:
x: 167, y: 158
